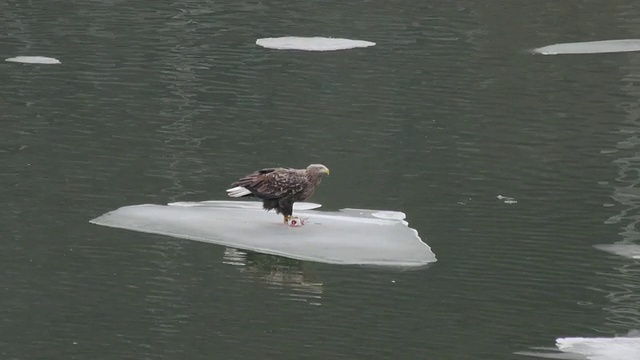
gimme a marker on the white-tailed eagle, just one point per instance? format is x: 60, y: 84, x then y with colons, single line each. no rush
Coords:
x: 279, y: 188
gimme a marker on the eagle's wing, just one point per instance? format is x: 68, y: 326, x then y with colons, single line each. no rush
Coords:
x: 273, y: 183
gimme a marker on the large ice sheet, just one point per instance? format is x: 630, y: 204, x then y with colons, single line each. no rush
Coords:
x: 600, y: 348
x: 348, y: 236
x: 311, y: 43
x: 590, y: 47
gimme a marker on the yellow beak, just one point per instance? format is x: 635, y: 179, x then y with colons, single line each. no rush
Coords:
x: 327, y: 172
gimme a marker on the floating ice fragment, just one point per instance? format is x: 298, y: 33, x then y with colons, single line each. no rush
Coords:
x: 590, y: 47
x: 33, y: 60
x: 618, y: 348
x: 579, y: 348
x: 507, y: 200
x: 312, y: 43
x: 397, y: 215
x: 627, y: 250
x: 349, y: 236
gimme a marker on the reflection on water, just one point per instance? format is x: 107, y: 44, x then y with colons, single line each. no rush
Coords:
x: 166, y: 304
x: 623, y: 293
x: 621, y: 339
x: 626, y: 191
x: 624, y: 280
x: 180, y: 142
x: 286, y: 275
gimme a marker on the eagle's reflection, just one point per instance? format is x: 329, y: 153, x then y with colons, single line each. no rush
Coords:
x: 277, y: 273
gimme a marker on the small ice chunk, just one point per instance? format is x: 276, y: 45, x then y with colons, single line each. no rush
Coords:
x: 627, y: 250
x: 600, y: 348
x: 507, y: 199
x: 349, y: 236
x: 312, y: 43
x: 33, y: 60
x: 590, y: 47
x: 397, y: 215
x: 617, y: 348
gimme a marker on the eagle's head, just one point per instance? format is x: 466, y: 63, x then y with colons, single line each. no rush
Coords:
x: 317, y: 169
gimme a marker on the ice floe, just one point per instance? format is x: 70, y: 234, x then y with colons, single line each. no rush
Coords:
x: 312, y: 43
x: 33, y: 60
x: 600, y: 348
x: 590, y: 47
x: 348, y: 236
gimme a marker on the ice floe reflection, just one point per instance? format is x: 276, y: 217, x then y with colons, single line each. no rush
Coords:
x: 311, y: 43
x: 284, y: 275
x: 348, y: 236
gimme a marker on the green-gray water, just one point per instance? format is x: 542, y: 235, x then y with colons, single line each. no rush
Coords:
x: 171, y: 101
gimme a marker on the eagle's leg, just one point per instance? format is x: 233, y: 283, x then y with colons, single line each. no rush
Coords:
x: 287, y: 211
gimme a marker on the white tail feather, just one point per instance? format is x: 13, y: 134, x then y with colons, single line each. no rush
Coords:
x: 238, y: 191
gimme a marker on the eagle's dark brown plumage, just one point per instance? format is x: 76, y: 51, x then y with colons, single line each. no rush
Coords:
x: 279, y: 188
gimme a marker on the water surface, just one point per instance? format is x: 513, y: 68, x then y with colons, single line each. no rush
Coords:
x: 155, y: 103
